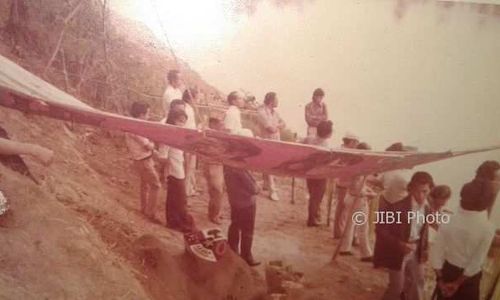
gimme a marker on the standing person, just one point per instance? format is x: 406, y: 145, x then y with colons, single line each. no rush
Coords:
x: 490, y: 283
x: 141, y: 151
x: 270, y: 125
x: 350, y: 141
x: 176, y: 204
x: 402, y: 247
x: 242, y: 192
x: 173, y: 91
x: 461, y: 246
x: 317, y: 187
x: 438, y: 198
x: 358, y: 189
x: 232, y: 118
x: 190, y: 97
x: 394, y: 182
x: 214, y: 176
x: 315, y: 111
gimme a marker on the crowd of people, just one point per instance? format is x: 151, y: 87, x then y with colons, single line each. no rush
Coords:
x: 402, y: 248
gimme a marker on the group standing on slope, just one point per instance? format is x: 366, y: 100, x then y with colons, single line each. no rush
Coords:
x: 459, y: 248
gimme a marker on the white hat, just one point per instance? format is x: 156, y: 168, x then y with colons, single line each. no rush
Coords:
x: 350, y: 136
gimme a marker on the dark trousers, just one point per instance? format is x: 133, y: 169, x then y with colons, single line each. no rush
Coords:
x: 240, y: 233
x: 469, y: 290
x: 176, y: 206
x: 316, y: 188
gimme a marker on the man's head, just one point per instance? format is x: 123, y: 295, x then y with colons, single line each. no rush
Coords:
x: 318, y: 95
x: 271, y: 100
x: 363, y: 146
x: 325, y: 129
x: 139, y: 110
x: 400, y: 147
x: 236, y: 98
x: 420, y: 186
x: 215, y: 124
x: 488, y: 170
x: 174, y: 78
x: 190, y: 96
x: 439, y: 196
x: 350, y: 141
x: 177, y: 104
x: 480, y: 194
x: 176, y: 117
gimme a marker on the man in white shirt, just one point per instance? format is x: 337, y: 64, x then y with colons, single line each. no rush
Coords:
x: 232, y: 119
x: 190, y: 97
x: 173, y: 91
x: 402, y: 244
x: 270, y: 125
x: 461, y: 246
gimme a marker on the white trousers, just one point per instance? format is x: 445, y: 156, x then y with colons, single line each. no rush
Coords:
x: 362, y: 231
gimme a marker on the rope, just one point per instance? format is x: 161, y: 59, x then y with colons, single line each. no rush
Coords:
x: 164, y: 31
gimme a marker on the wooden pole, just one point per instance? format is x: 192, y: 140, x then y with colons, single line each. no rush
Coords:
x: 293, y: 190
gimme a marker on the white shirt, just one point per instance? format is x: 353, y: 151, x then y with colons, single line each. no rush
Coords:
x: 395, y: 183
x: 170, y: 94
x: 191, y: 121
x: 269, y: 117
x: 175, y: 161
x: 418, y: 221
x: 232, y: 120
x: 464, y: 242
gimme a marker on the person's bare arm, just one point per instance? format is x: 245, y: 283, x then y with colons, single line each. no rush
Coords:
x: 325, y: 107
x: 9, y: 147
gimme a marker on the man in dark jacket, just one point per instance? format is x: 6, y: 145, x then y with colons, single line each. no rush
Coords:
x: 402, y: 240
x: 242, y: 191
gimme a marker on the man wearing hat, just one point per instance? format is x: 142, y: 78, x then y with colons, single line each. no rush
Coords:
x: 350, y: 141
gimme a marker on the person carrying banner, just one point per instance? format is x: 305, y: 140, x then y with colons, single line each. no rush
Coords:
x: 317, y: 187
x: 358, y: 188
x: 190, y: 97
x: 141, y: 151
x: 214, y: 176
x: 176, y: 213
x: 350, y: 141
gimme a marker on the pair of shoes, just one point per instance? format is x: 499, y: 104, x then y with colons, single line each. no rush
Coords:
x: 251, y: 262
x: 346, y: 253
x: 367, y: 259
x: 274, y: 196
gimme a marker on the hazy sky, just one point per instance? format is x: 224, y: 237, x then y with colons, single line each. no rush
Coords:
x: 430, y: 79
